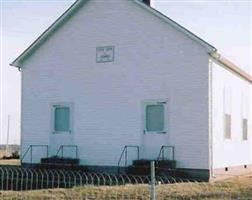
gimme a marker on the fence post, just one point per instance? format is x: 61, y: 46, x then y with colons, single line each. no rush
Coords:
x: 153, y: 181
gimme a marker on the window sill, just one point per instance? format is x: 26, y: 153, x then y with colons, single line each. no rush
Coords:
x: 154, y: 132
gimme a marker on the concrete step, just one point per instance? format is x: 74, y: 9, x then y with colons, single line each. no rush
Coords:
x: 56, y: 161
x: 171, y: 164
x: 162, y: 167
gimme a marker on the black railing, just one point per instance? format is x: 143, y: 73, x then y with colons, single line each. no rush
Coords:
x: 125, y: 153
x: 61, y: 150
x: 161, y: 155
x: 30, y: 148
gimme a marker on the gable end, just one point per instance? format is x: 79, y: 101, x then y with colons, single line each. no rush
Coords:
x: 75, y: 8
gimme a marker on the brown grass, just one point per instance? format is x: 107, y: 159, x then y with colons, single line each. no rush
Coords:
x: 10, y: 162
x: 229, y: 189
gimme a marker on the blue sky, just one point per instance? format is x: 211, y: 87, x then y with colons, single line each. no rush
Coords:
x: 224, y: 24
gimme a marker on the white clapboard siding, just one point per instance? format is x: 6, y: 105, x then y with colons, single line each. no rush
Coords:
x: 231, y: 95
x: 152, y: 61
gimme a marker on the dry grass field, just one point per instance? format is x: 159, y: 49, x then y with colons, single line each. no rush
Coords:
x: 231, y: 188
x: 11, y: 148
x: 237, y: 187
x: 10, y: 162
x: 240, y: 186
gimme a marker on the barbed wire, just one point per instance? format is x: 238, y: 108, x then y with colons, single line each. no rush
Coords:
x: 88, y: 185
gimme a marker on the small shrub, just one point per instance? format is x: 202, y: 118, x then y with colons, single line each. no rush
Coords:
x: 15, y: 155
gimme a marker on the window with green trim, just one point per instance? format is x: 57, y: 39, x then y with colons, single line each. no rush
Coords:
x: 62, y: 119
x: 155, y: 116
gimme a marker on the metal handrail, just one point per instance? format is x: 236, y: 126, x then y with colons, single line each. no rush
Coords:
x: 125, y: 153
x: 30, y: 149
x: 61, y: 149
x: 161, y: 152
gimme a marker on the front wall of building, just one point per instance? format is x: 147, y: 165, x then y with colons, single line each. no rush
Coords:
x: 152, y: 61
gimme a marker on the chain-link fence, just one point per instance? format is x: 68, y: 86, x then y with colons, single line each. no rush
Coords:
x: 32, y: 183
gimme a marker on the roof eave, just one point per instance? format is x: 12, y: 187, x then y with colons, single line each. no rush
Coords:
x: 13, y: 64
x: 231, y: 66
x: 18, y: 62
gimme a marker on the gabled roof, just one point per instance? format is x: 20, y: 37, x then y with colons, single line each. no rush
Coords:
x: 48, y: 32
x: 76, y: 6
x: 210, y: 49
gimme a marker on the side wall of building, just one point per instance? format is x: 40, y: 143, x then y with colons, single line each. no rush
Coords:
x: 152, y: 61
x: 231, y: 94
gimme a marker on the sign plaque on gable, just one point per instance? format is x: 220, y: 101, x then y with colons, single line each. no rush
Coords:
x: 105, y: 54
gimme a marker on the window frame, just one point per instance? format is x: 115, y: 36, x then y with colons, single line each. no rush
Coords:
x: 144, y: 117
x: 57, y: 105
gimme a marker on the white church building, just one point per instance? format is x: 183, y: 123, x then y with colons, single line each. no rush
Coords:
x: 109, y: 76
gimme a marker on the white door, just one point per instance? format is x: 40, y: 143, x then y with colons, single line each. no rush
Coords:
x: 155, y: 127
